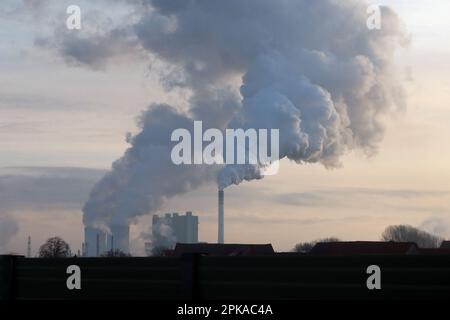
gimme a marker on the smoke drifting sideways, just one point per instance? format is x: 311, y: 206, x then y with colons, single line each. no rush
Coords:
x: 145, y: 176
x: 8, y: 229
x: 161, y: 236
x: 311, y: 69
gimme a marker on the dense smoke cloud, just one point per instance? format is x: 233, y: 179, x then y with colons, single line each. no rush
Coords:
x: 309, y: 68
x: 160, y: 237
x: 145, y: 176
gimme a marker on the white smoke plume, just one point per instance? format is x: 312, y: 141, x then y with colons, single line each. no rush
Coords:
x: 164, y: 236
x: 438, y: 225
x: 311, y: 69
x: 8, y: 229
x: 160, y: 236
x: 145, y: 176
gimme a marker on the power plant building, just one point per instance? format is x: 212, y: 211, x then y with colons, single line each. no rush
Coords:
x: 94, y: 242
x: 119, y: 238
x: 97, y: 241
x: 172, y: 228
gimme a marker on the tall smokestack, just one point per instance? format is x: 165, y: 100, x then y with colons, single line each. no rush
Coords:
x: 97, y: 251
x: 221, y: 226
x: 29, y: 247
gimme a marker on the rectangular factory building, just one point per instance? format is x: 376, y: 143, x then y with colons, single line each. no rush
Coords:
x: 172, y: 228
x: 185, y: 227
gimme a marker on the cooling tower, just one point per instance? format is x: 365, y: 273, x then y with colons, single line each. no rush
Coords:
x: 94, y: 241
x: 221, y: 225
x: 119, y: 238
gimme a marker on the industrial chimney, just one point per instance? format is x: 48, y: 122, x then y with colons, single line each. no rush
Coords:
x: 97, y: 252
x: 221, y: 226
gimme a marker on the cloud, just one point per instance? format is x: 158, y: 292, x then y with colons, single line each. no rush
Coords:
x: 341, y: 197
x: 250, y: 219
x: 32, y: 188
x: 94, y: 51
x: 30, y: 101
x: 42, y: 197
x: 305, y: 199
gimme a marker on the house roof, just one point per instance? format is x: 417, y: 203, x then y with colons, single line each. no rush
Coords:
x: 214, y: 249
x: 445, y: 244
x: 363, y: 248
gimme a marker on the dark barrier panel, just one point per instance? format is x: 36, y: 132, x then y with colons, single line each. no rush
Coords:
x: 102, y: 278
x: 7, y: 277
x: 323, y: 277
x: 200, y: 277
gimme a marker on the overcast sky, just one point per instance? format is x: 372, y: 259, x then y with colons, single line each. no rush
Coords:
x: 56, y: 117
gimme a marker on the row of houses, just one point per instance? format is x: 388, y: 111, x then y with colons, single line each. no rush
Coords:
x: 341, y: 248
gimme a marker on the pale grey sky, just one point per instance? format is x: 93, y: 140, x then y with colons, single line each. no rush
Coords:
x: 55, y: 115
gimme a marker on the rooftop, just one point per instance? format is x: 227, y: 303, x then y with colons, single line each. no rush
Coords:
x: 214, y: 249
x: 363, y: 248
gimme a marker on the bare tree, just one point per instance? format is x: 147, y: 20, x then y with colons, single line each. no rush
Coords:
x: 405, y: 233
x: 305, y: 247
x: 55, y: 248
x: 115, y: 253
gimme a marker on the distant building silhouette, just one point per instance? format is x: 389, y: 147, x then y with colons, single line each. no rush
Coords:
x: 173, y: 228
x: 363, y: 248
x: 214, y: 249
x: 97, y: 241
x: 94, y: 242
x: 119, y: 238
x: 445, y: 244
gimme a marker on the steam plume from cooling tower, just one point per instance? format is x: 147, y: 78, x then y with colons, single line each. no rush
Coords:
x: 309, y: 68
x: 8, y: 229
